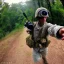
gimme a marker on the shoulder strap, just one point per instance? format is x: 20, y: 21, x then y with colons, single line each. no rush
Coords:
x: 34, y: 24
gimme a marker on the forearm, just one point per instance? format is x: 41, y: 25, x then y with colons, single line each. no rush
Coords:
x: 54, y: 30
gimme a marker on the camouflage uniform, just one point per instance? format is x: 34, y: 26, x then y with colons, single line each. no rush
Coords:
x: 48, y: 29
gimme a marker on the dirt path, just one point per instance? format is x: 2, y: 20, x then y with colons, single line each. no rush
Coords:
x: 14, y: 50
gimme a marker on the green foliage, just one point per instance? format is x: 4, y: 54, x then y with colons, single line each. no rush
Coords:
x: 57, y: 14
x: 1, y: 33
x: 57, y: 4
x: 11, y: 17
x: 30, y: 13
x: 8, y: 18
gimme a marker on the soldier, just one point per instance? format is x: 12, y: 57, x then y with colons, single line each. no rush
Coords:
x: 40, y: 33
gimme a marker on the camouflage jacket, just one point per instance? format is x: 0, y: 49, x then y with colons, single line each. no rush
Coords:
x: 47, y: 29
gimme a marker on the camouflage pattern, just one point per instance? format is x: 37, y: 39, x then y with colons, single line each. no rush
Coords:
x: 48, y: 29
x: 38, y: 10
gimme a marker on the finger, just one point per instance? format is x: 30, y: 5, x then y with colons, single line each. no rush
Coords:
x: 63, y: 35
x: 61, y: 30
x: 62, y: 38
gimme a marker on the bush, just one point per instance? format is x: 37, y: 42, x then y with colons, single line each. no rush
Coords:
x: 57, y: 16
x: 1, y: 33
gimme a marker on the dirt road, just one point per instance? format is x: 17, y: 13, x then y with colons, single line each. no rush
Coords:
x: 13, y: 50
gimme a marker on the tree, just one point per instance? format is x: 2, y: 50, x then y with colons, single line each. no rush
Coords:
x: 52, y: 1
x: 62, y: 1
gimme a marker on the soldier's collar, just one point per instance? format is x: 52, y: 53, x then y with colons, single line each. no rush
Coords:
x: 38, y: 27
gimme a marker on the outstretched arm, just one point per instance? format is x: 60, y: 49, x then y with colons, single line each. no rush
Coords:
x: 56, y: 30
x: 61, y: 33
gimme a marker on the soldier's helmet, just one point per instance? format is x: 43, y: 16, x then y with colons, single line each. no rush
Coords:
x: 41, y: 12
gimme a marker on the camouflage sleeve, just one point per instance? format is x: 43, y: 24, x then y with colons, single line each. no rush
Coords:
x: 53, y: 30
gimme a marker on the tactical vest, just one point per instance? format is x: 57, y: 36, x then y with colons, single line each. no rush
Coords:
x: 42, y: 42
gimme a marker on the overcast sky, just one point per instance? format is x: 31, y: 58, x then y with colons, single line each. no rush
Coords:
x: 14, y: 1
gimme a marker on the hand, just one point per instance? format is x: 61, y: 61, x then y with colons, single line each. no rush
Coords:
x: 61, y: 32
x: 28, y: 31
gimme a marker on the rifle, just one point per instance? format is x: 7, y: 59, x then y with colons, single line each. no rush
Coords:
x: 28, y: 24
x: 25, y: 15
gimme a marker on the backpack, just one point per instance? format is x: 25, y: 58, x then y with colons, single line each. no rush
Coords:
x: 43, y: 42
